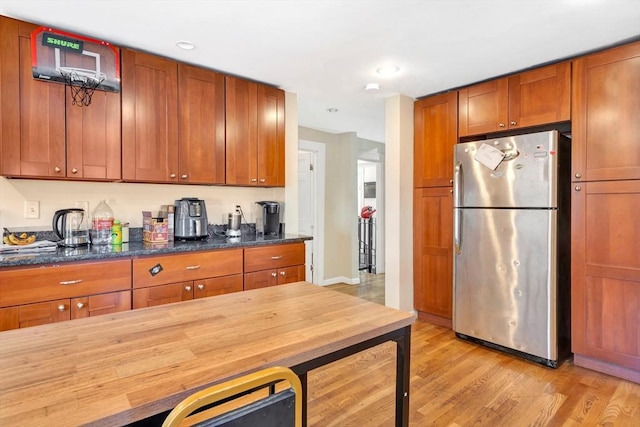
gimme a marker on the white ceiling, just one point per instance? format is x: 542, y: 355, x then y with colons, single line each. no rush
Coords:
x: 327, y: 51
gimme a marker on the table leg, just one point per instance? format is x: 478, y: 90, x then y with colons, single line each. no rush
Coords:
x: 303, y: 382
x: 403, y: 355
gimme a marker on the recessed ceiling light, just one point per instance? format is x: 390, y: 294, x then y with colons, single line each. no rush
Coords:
x: 186, y: 45
x: 387, y: 70
x: 372, y: 87
x: 332, y: 110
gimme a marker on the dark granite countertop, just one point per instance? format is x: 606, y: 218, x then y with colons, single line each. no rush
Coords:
x: 138, y: 248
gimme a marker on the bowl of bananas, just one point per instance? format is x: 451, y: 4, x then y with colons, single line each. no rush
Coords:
x: 17, y: 239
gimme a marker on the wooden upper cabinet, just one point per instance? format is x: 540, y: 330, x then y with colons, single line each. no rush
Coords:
x: 42, y: 134
x: 435, y: 134
x: 241, y: 127
x: 149, y: 118
x: 201, y: 125
x: 531, y: 98
x: 255, y: 134
x: 270, y: 136
x: 606, y: 115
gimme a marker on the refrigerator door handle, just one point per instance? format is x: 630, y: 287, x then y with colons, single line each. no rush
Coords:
x: 457, y: 236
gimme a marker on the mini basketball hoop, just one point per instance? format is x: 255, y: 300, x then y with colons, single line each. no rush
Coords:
x: 82, y: 83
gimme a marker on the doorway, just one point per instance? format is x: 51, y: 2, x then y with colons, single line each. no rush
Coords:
x: 311, y: 195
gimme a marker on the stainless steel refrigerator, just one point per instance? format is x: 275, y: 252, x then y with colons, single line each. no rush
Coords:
x: 512, y: 244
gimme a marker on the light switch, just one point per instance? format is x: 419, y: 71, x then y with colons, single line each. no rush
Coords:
x: 31, y: 209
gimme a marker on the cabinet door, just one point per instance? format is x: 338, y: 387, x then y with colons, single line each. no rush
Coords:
x: 94, y: 144
x: 217, y: 286
x: 292, y: 274
x: 540, y: 96
x: 27, y: 315
x: 33, y: 111
x: 163, y: 294
x: 241, y: 128
x: 270, y: 136
x: 605, y: 273
x: 432, y: 254
x: 606, y: 108
x: 201, y: 125
x: 483, y: 108
x: 95, y: 305
x: 436, y: 129
x: 149, y: 118
x: 260, y: 279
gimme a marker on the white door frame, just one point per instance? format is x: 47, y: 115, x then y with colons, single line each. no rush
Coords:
x: 317, y: 243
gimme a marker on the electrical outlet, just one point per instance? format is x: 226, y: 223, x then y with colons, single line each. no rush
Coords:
x: 31, y: 209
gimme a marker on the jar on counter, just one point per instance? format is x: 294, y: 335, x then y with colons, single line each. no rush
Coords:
x: 125, y: 232
x: 116, y: 233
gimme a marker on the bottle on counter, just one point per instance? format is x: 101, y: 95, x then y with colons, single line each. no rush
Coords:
x: 116, y: 233
x: 102, y: 221
x: 125, y: 232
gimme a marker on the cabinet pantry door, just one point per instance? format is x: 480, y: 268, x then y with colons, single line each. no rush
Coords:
x: 270, y: 136
x: 432, y: 254
x: 241, y: 128
x: 201, y: 126
x: 605, y: 274
x: 483, y: 108
x: 149, y: 118
x: 606, y: 115
x: 436, y: 129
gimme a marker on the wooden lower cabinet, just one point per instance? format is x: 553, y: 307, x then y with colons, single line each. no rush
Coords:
x: 266, y: 278
x: 605, y: 273
x: 183, y: 291
x: 95, y: 305
x: 432, y: 254
x: 41, y: 313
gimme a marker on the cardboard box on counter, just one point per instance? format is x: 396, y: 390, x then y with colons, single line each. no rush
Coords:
x: 154, y: 229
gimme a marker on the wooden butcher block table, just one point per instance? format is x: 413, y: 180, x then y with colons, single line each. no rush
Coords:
x: 116, y: 369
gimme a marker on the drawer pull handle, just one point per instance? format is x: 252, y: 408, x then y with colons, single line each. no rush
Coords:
x: 187, y: 288
x: 80, y: 305
x: 193, y: 267
x: 70, y: 282
x: 61, y: 307
x: 274, y: 274
x: 200, y: 287
x: 276, y: 257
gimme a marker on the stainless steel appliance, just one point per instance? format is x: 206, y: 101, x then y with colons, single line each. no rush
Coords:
x: 511, y: 244
x: 71, y: 226
x: 268, y: 218
x: 235, y: 222
x: 190, y: 221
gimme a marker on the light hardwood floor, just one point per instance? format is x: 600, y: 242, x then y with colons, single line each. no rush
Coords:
x: 456, y: 383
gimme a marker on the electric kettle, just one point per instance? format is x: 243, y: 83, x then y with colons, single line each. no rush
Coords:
x: 70, y: 225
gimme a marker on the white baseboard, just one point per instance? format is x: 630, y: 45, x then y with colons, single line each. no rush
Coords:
x: 341, y: 279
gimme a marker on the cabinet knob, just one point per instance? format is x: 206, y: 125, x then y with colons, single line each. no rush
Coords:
x: 183, y: 176
x: 187, y: 288
x: 513, y: 123
x: 578, y: 188
x: 578, y: 175
x: 501, y: 125
x: 450, y: 181
x: 56, y: 169
x: 74, y: 170
x: 61, y: 307
x: 262, y: 180
x: 450, y: 191
x: 274, y: 274
x: 282, y: 273
x: 200, y: 287
x: 172, y: 175
x: 80, y: 305
x: 254, y: 180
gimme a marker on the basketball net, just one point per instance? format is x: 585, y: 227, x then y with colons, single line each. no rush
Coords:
x: 82, y: 87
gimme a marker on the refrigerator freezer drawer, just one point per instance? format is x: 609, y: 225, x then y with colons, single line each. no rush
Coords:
x: 505, y: 278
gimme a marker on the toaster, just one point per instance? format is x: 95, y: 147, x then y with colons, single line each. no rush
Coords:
x: 190, y: 219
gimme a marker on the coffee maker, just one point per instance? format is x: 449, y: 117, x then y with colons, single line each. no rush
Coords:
x: 268, y: 218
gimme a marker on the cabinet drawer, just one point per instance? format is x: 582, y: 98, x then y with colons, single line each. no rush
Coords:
x: 50, y: 282
x: 270, y: 257
x: 162, y: 270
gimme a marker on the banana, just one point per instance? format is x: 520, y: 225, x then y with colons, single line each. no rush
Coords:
x: 20, y: 240
x: 5, y: 240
